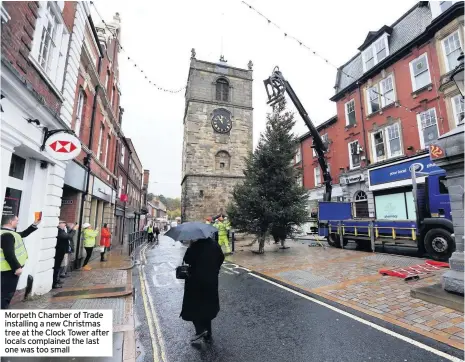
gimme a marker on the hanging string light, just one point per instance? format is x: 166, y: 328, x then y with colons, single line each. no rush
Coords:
x: 130, y: 59
x: 318, y: 55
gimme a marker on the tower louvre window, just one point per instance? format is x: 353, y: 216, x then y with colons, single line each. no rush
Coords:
x: 222, y: 90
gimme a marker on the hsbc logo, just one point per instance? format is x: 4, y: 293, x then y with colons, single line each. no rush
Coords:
x: 63, y: 146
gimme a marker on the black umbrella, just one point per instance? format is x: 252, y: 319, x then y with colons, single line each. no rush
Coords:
x: 191, y: 231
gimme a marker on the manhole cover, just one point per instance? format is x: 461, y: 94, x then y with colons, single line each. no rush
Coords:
x: 115, y: 304
x: 393, y: 260
x: 81, y: 292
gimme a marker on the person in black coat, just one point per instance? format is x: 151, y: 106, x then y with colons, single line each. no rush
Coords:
x: 201, y: 302
x: 64, y: 239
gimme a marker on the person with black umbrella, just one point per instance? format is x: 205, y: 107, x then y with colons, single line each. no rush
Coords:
x: 201, y: 302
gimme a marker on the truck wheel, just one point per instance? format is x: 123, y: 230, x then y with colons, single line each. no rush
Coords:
x: 439, y: 244
x: 335, y: 241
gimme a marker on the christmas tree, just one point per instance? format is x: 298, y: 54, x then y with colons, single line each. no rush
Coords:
x: 271, y: 200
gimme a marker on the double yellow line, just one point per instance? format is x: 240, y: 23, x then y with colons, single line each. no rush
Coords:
x: 159, y: 354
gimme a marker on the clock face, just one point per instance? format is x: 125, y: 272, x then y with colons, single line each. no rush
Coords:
x: 221, y: 121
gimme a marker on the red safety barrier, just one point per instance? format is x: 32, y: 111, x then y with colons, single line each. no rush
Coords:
x: 415, y: 271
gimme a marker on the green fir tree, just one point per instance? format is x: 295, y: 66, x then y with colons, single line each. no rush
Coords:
x: 270, y: 200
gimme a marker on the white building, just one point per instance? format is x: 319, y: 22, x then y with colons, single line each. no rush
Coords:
x: 37, y: 94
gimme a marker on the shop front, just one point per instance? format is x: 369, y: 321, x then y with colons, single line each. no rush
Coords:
x: 355, y: 190
x: 32, y: 176
x: 391, y: 185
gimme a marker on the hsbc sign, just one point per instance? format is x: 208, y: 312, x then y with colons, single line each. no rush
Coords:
x: 63, y: 146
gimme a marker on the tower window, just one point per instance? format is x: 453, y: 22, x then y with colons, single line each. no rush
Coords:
x: 222, y: 160
x: 201, y: 193
x: 222, y: 90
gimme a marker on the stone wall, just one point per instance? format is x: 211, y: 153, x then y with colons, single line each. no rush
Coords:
x: 206, y: 196
x: 202, y: 143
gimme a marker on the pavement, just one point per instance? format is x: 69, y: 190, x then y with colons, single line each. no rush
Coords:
x: 261, y: 320
x: 107, y: 286
x: 350, y: 278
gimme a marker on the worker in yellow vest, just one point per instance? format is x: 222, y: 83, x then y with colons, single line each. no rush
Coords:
x: 150, y: 233
x: 88, y: 235
x: 13, y: 256
x: 223, y: 236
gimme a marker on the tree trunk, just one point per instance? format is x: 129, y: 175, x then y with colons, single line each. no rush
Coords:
x: 283, y: 241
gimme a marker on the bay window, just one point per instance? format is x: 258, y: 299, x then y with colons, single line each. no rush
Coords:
x: 99, y: 147
x: 419, y: 72
x: 387, y: 91
x: 373, y: 99
x: 427, y: 127
x: 298, y: 155
x: 354, y: 154
x: 458, y: 108
x: 317, y: 174
x: 380, y: 95
x: 386, y: 143
x: 452, y: 49
x: 50, y: 44
x: 350, y: 112
x: 79, y: 112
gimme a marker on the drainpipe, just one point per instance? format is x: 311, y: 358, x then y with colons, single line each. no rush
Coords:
x: 88, y: 158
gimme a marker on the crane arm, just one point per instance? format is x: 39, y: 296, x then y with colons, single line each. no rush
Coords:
x: 276, y: 86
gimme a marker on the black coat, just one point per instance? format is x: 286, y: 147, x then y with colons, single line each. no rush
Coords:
x: 64, y: 240
x: 201, y: 300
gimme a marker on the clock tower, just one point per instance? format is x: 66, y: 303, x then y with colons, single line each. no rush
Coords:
x: 218, y: 129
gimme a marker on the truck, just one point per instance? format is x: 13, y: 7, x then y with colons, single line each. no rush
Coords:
x: 430, y: 230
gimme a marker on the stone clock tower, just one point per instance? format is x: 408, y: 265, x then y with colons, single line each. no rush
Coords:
x: 218, y: 126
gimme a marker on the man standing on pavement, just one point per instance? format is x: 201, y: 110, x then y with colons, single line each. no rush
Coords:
x: 150, y: 233
x: 64, y: 239
x: 13, y: 256
x: 223, y: 237
x: 157, y: 232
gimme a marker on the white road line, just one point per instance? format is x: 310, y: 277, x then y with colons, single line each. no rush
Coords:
x: 361, y: 320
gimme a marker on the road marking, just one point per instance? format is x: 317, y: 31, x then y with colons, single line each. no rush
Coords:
x: 146, y: 308
x: 155, y: 316
x: 363, y: 321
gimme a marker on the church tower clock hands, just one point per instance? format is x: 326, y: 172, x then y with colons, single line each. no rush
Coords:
x: 218, y: 131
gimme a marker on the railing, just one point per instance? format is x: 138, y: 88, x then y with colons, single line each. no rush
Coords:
x: 135, y: 240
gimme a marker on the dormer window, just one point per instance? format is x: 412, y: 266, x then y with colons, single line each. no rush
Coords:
x: 375, y: 53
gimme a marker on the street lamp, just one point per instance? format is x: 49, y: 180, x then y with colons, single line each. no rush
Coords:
x: 457, y: 74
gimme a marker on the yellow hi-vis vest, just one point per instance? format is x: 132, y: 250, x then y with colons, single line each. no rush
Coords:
x: 89, y: 237
x: 20, y: 251
x: 150, y: 230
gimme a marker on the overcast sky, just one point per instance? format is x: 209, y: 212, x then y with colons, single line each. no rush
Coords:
x: 159, y: 35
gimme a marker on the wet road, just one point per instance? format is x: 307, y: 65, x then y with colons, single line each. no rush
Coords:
x: 258, y: 321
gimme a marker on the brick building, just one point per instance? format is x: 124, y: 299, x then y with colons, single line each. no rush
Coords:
x: 134, y: 190
x: 38, y: 79
x: 91, y: 183
x: 122, y: 160
x: 389, y: 109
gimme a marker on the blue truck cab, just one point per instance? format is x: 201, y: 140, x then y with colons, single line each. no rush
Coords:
x: 429, y: 228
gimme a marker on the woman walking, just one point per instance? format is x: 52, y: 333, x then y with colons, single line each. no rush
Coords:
x: 104, y: 241
x: 201, y: 302
x: 89, y: 235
